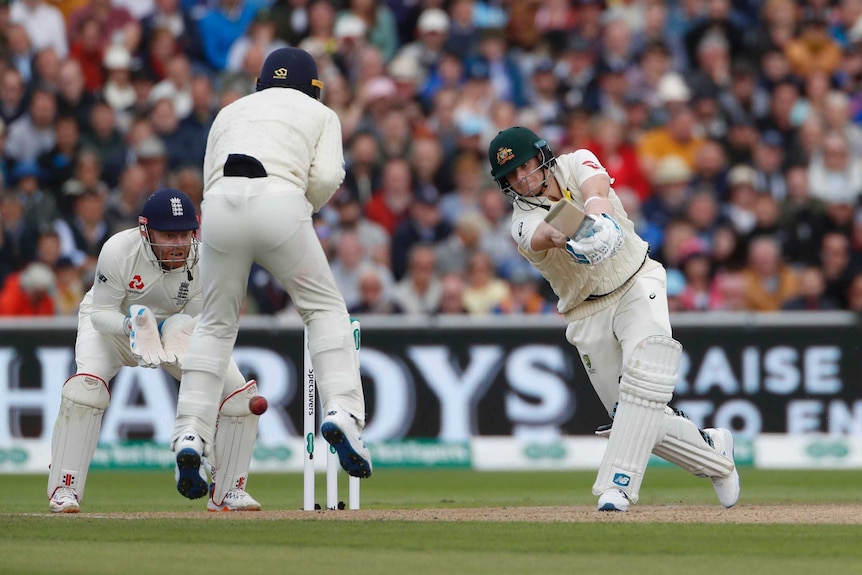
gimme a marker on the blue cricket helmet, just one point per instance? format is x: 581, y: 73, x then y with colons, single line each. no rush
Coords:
x: 169, y: 210
x: 290, y: 68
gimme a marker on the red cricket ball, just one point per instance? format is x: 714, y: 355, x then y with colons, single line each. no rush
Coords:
x: 257, y: 404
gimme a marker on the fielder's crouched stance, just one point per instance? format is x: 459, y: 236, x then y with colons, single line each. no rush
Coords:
x: 141, y: 312
x: 614, y: 299
x: 273, y: 158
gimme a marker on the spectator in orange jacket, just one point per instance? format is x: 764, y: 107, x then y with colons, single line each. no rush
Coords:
x: 29, y: 292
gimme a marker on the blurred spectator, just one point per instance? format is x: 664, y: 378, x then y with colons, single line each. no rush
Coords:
x: 670, y: 189
x: 44, y: 24
x: 119, y: 93
x: 494, y: 63
x: 419, y: 291
x: 742, y: 136
x: 20, y: 51
x: 426, y: 159
x: 389, y: 205
x: 813, y: 50
x: 258, y: 42
x: 58, y: 164
x: 69, y: 287
x: 291, y: 19
x: 373, y: 299
x: 19, y: 235
x: 13, y: 96
x: 835, y: 263
x: 835, y: 175
x: 769, y: 157
x: 769, y: 281
x: 744, y: 99
x: 220, y: 26
x: 372, y: 236
x: 710, y: 169
x: 88, y: 50
x: 85, y: 232
x: 125, y: 202
x: 676, y: 138
x: 151, y: 154
x: 425, y: 52
x: 702, y: 210
x: 379, y: 21
x: 40, y: 208
x: 33, y: 133
x: 696, y: 266
x: 732, y: 292
x: 718, y: 23
x: 464, y: 31
x: 176, y: 86
x: 455, y: 252
x: 618, y: 156
x: 72, y: 97
x: 423, y: 224
x: 104, y: 138
x: 854, y: 294
x: 803, y: 219
x: 347, y: 265
x: 173, y: 17
x: 29, y: 293
x: 524, y: 296
x: 837, y: 116
x: 166, y: 127
x: 364, y: 173
x: 116, y: 24
x: 812, y: 297
x: 452, y: 294
x: 484, y: 290
x: 742, y: 195
x: 469, y: 180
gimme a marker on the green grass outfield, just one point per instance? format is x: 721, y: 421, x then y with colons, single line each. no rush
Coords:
x: 135, y: 522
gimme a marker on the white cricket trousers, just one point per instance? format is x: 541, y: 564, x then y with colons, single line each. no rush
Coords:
x: 606, y: 339
x: 259, y: 220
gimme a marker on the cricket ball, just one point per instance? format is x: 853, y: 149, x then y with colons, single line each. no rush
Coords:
x: 257, y: 404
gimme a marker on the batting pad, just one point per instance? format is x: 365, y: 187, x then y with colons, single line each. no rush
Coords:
x: 76, y: 431
x: 684, y: 445
x: 236, y: 433
x: 646, y: 387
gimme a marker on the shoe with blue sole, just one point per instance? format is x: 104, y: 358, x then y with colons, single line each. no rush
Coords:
x: 341, y: 431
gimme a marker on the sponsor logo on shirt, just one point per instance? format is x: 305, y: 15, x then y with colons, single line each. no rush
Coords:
x: 137, y: 283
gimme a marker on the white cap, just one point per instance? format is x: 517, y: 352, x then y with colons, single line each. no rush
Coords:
x: 433, y: 20
x: 349, y: 26
x: 37, y: 277
x: 117, y: 57
x: 672, y: 88
x: 671, y: 170
x: 404, y: 69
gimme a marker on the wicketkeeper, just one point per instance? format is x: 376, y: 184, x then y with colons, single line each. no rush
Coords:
x: 141, y: 311
x: 614, y: 299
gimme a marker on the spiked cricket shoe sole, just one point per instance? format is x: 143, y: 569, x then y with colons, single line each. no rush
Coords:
x: 351, y: 460
x: 190, y: 484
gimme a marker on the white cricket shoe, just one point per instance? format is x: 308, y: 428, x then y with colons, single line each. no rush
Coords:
x: 189, y: 474
x: 341, y: 430
x: 64, y: 500
x: 727, y: 487
x: 613, y: 500
x: 235, y: 500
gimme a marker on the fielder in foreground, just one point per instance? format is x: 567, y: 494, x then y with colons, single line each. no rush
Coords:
x: 614, y: 299
x: 141, y: 312
x: 273, y: 158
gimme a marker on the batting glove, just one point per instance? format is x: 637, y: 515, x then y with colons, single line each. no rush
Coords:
x: 604, y: 239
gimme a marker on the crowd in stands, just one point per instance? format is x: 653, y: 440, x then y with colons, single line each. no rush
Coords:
x: 732, y: 130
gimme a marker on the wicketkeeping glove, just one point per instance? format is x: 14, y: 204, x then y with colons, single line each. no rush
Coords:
x: 603, y: 241
x: 144, y: 340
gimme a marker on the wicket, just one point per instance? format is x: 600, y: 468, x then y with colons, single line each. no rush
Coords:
x: 309, y: 429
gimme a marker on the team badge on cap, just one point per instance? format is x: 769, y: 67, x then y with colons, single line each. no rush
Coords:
x: 279, y: 73
x: 504, y: 155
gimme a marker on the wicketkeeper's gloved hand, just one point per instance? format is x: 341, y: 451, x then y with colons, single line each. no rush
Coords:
x: 144, y: 340
x: 604, y: 239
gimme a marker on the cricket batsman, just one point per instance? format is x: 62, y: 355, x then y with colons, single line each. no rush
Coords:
x: 614, y: 300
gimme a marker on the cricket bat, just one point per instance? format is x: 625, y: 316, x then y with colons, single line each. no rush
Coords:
x: 568, y: 218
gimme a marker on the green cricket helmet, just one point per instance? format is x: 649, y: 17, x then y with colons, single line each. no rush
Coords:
x: 514, y: 147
